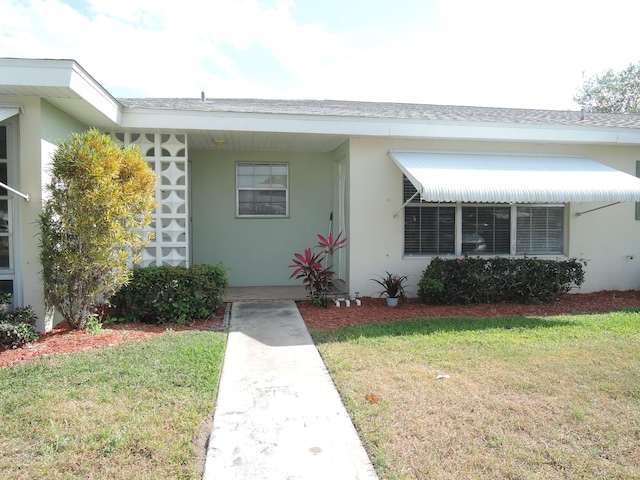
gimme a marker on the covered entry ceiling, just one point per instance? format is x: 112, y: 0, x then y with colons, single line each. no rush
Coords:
x: 501, y: 178
x: 264, y: 141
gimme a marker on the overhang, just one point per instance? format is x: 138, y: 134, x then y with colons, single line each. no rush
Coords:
x: 500, y: 178
x: 64, y: 84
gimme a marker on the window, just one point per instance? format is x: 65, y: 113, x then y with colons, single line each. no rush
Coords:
x: 429, y: 230
x: 540, y: 230
x: 486, y: 230
x: 479, y: 229
x: 7, y: 274
x: 262, y: 189
x: 637, y: 203
x: 5, y: 213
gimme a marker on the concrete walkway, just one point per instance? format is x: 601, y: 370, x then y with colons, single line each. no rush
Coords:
x: 278, y: 414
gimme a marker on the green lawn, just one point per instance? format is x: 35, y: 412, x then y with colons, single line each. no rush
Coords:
x: 135, y: 411
x: 526, y: 398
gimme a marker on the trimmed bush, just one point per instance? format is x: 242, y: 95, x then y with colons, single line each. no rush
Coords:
x: 494, y: 280
x: 171, y: 294
x: 17, y: 327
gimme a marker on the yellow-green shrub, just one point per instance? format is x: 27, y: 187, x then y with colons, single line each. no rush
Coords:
x: 99, y: 198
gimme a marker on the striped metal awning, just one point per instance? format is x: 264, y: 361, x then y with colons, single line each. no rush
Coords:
x: 8, y: 111
x: 501, y: 178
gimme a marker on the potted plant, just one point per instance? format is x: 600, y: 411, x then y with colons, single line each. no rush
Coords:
x: 392, y: 286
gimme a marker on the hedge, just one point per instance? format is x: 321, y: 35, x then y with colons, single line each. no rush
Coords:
x: 171, y: 294
x: 494, y: 280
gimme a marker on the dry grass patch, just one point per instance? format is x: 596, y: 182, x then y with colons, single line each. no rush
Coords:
x: 525, y: 397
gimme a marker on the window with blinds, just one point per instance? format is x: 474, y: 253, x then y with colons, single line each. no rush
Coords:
x: 478, y: 229
x: 5, y: 214
x: 486, y: 230
x: 429, y: 230
x: 7, y: 272
x: 540, y: 230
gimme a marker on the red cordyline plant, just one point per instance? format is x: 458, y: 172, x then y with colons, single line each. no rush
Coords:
x: 330, y: 245
x: 316, y: 278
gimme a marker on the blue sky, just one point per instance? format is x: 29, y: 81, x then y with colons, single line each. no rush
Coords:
x: 503, y: 53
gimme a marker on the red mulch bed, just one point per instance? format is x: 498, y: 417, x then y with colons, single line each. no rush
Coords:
x: 64, y: 339
x: 376, y: 310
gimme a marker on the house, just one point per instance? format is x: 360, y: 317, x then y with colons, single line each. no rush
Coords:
x: 250, y: 182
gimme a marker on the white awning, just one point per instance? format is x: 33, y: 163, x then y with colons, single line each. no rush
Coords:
x: 8, y: 112
x: 500, y: 178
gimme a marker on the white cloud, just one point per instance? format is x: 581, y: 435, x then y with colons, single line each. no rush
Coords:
x: 494, y: 52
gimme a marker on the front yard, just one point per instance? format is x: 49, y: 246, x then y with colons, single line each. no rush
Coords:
x: 470, y: 395
x: 510, y: 397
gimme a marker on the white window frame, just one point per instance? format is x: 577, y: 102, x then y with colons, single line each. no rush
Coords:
x: 255, y: 188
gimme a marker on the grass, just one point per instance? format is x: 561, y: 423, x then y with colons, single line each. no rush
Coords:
x: 526, y: 398
x: 135, y: 411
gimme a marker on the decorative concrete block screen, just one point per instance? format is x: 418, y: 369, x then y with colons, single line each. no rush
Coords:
x: 167, y: 156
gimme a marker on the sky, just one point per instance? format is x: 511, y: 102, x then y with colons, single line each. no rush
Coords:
x: 495, y: 53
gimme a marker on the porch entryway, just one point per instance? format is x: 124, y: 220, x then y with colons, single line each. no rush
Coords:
x: 269, y: 293
x: 265, y: 293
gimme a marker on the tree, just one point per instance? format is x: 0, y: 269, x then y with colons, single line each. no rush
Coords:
x: 100, y: 197
x: 612, y: 92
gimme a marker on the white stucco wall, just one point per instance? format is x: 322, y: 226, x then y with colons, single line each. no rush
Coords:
x: 606, y: 238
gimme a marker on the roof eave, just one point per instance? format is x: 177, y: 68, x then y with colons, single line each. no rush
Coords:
x: 64, y: 84
x: 518, y: 133
x: 136, y: 118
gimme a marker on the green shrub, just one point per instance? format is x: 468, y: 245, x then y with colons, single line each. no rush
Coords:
x: 17, y: 327
x: 493, y: 280
x: 17, y: 335
x: 171, y: 294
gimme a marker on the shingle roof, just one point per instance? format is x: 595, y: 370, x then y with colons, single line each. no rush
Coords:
x: 400, y: 111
